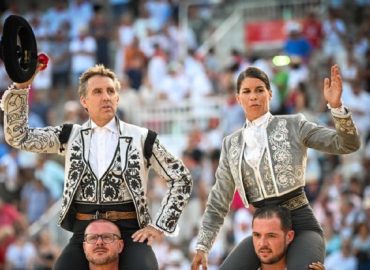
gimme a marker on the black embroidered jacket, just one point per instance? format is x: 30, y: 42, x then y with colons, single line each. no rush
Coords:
x: 76, y: 151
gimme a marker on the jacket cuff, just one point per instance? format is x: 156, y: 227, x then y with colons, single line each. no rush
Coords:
x: 341, y: 112
x: 12, y: 90
x: 172, y: 234
x: 202, y: 248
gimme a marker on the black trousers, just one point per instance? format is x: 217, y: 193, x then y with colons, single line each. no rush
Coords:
x: 307, y: 247
x: 134, y: 256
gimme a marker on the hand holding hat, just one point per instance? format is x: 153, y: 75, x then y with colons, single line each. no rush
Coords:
x: 42, y: 63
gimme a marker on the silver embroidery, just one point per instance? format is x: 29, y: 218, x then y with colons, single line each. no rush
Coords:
x: 249, y: 180
x: 280, y: 146
x: 206, y: 238
x: 267, y: 176
x: 234, y: 154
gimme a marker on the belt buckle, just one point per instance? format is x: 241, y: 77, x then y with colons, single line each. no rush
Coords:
x: 99, y: 215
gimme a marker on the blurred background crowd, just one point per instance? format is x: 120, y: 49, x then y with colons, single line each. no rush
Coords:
x: 177, y: 62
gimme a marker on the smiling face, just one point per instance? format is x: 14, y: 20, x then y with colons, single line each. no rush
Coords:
x: 270, y: 240
x: 101, y: 99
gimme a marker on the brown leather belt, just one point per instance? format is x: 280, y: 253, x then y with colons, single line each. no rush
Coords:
x: 296, y: 202
x: 110, y: 215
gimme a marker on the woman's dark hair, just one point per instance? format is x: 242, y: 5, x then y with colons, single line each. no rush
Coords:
x: 252, y: 72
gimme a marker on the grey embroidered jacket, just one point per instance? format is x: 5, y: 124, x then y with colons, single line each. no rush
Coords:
x: 281, y: 169
x: 76, y: 150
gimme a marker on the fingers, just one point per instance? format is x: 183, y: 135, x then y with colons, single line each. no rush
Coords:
x: 40, y: 67
x: 335, y: 70
x: 199, y: 259
x: 335, y: 79
x: 195, y: 266
x: 146, y: 234
x: 316, y: 266
x: 335, y: 73
x: 42, y: 60
x: 150, y: 240
x: 338, y: 77
x: 196, y: 263
x: 326, y: 83
x: 141, y: 235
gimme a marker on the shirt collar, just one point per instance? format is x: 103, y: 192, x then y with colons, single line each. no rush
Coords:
x: 111, y: 125
x: 260, y: 121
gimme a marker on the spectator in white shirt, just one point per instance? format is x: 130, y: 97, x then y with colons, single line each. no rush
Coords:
x: 342, y: 259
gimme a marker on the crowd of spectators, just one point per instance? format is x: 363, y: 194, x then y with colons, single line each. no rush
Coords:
x: 142, y: 41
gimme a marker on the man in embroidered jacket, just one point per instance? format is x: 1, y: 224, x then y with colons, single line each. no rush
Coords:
x: 106, y: 170
x: 265, y: 161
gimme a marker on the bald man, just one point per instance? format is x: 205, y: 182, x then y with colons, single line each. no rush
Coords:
x: 102, y: 245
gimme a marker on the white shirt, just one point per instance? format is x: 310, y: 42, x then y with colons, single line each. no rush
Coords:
x: 336, y: 261
x: 255, y: 138
x: 20, y: 256
x: 83, y: 52
x: 359, y: 106
x: 104, y: 142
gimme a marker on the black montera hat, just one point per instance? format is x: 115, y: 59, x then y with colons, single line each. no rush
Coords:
x: 18, y: 49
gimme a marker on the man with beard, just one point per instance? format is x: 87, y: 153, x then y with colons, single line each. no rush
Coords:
x: 102, y: 245
x: 272, y: 233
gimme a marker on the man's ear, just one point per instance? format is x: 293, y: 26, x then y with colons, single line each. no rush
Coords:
x: 122, y: 245
x: 83, y: 102
x: 290, y: 236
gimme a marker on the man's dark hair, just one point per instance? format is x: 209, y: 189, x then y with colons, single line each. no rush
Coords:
x: 278, y: 211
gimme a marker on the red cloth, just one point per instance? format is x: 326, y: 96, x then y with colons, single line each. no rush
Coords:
x: 9, y: 215
x: 312, y: 30
x: 236, y: 202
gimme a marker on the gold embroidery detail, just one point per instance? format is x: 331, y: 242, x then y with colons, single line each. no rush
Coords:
x: 345, y: 125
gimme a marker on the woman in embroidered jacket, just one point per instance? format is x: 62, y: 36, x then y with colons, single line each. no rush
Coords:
x: 107, y: 163
x: 265, y: 161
